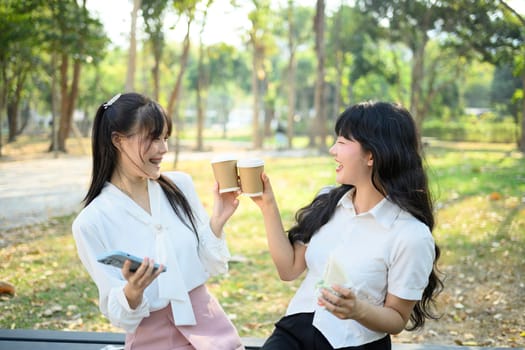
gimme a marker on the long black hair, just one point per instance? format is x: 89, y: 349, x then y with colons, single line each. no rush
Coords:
x: 131, y: 112
x: 389, y: 133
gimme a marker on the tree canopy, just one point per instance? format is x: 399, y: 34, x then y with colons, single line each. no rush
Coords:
x: 420, y: 53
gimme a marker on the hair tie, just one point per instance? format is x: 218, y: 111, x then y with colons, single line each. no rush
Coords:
x: 113, y: 99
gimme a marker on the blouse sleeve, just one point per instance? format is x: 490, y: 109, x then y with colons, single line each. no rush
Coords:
x: 411, y: 262
x: 213, y: 251
x: 109, y: 280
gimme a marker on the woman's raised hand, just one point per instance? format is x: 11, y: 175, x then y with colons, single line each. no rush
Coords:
x: 267, y: 197
x: 224, y: 205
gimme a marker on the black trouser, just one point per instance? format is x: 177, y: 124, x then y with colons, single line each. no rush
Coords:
x: 296, y: 332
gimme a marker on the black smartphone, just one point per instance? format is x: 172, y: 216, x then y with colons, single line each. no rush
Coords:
x: 117, y: 258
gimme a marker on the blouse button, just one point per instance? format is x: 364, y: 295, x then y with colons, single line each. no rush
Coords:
x: 158, y: 227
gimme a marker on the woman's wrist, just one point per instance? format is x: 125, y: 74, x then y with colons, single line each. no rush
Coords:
x: 216, y: 226
x: 133, y: 296
x: 270, y: 208
x: 360, y: 310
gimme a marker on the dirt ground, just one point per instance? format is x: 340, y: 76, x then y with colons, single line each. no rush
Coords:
x: 481, y: 305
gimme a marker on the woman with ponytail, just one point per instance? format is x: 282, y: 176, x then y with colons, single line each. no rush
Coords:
x: 132, y: 207
x: 366, y: 245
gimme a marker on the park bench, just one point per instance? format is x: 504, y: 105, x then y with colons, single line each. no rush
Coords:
x: 31, y: 339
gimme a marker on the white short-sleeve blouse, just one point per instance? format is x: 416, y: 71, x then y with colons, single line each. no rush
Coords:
x: 385, y: 250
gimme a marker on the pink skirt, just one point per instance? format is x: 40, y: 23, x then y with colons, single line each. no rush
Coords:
x: 213, y: 330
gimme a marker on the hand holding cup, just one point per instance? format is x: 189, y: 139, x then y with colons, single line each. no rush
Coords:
x: 250, y: 171
x: 225, y: 172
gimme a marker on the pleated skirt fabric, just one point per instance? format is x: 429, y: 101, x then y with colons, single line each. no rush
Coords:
x: 214, y: 331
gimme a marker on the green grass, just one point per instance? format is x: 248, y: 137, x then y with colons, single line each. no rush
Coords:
x: 480, y: 203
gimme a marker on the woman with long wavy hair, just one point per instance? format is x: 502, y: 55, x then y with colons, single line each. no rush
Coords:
x: 366, y: 245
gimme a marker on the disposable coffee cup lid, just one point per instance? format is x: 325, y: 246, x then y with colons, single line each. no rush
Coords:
x: 223, y: 158
x: 250, y: 163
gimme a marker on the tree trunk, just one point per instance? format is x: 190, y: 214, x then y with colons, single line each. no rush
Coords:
x: 269, y: 115
x: 156, y: 78
x: 12, y: 111
x: 291, y: 100
x: 61, y: 146
x: 13, y: 103
x: 319, y: 101
x: 339, y: 64
x: 202, y: 85
x: 174, y: 96
x: 157, y: 47
x: 12, y: 120
x: 199, y: 95
x: 130, y: 76
x: 17, y: 97
x: 521, y: 142
x: 66, y: 117
x: 25, y: 115
x: 417, y: 77
x: 255, y: 93
x: 304, y: 102
x: 432, y: 88
x: 337, y: 93
x: 292, y: 66
x: 177, y: 123
x: 55, y: 107
x: 225, y: 112
x: 183, y: 60
x: 399, y: 90
x: 258, y: 75
x: 3, y: 91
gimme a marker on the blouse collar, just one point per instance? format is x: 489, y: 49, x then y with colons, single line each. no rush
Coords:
x: 385, y: 212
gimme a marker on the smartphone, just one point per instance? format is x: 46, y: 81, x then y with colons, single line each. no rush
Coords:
x: 117, y: 258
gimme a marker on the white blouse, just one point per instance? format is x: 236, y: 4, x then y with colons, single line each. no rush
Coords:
x: 385, y: 250
x: 113, y: 221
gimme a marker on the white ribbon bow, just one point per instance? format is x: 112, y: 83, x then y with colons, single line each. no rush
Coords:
x: 171, y: 282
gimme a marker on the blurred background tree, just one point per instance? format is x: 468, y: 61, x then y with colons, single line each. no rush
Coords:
x: 461, y: 76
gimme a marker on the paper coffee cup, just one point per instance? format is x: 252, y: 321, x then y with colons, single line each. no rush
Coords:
x: 250, y: 171
x: 225, y: 172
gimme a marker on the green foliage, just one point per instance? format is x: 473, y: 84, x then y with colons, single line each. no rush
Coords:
x: 370, y: 52
x: 474, y: 130
x: 478, y: 77
x: 38, y: 34
x: 490, y: 30
x: 504, y: 86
